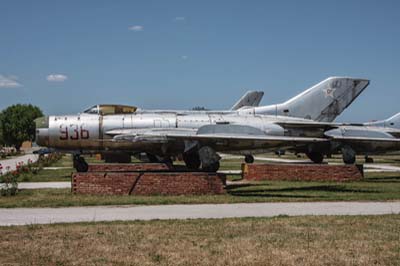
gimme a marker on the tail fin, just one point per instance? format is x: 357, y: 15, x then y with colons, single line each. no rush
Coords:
x: 392, y: 122
x: 249, y: 99
x: 322, y: 102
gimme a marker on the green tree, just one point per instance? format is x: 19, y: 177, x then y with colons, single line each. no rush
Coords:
x: 17, y: 123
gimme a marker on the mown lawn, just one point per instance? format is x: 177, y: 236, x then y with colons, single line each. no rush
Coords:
x: 312, y: 240
x: 375, y: 186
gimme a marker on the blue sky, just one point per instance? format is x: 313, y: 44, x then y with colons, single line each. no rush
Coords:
x: 67, y: 55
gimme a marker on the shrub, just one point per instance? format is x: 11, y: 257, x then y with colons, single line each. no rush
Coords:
x: 9, y: 184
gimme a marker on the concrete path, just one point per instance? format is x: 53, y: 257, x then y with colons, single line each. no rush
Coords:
x: 57, y: 168
x: 8, y: 165
x: 380, y: 168
x: 41, y: 185
x: 23, y: 216
x: 230, y: 172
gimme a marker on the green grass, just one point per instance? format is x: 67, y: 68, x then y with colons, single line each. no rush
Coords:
x: 59, y: 175
x: 65, y: 161
x: 375, y: 187
x: 51, y: 175
x: 320, y: 240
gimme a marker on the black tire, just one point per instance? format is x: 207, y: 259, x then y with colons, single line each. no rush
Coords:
x: 152, y: 158
x: 80, y: 165
x: 369, y: 159
x: 348, y: 155
x: 211, y: 168
x: 249, y: 159
x: 316, y: 157
x: 349, y: 160
x: 192, y: 160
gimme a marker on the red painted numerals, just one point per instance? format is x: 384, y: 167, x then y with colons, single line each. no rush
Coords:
x: 73, y: 132
x: 84, y: 133
x: 63, y: 132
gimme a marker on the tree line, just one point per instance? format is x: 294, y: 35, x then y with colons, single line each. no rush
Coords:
x: 17, y: 124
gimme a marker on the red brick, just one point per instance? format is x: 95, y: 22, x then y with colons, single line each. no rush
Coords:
x: 148, y: 183
x: 127, y: 167
x: 302, y: 172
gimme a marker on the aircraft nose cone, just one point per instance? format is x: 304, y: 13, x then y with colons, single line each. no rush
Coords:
x: 42, y: 131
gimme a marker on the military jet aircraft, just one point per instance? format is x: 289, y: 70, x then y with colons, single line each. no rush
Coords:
x: 197, y: 136
x: 367, y: 138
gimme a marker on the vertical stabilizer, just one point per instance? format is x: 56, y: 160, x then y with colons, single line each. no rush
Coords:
x: 249, y: 99
x: 392, y: 122
x: 323, y: 102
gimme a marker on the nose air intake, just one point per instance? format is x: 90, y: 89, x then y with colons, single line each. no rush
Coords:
x: 42, y: 131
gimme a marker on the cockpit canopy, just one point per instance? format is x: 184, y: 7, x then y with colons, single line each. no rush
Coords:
x: 110, y: 109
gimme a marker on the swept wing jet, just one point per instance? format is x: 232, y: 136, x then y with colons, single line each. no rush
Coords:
x: 197, y: 136
x: 367, y: 138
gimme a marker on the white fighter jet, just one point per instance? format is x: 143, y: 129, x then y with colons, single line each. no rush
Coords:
x: 298, y: 124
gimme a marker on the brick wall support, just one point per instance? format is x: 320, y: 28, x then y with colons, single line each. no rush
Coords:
x: 127, y: 167
x: 148, y: 183
x: 302, y: 172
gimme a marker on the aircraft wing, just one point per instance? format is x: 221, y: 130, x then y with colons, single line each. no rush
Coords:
x: 308, y: 125
x: 249, y: 99
x: 234, y: 137
x: 364, y: 138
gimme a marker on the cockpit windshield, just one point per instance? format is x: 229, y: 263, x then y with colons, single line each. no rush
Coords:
x: 110, y: 109
x: 92, y: 110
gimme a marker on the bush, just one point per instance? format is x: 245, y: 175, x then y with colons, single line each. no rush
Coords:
x: 9, y: 181
x: 9, y: 184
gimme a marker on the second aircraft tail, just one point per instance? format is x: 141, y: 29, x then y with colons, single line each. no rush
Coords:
x: 322, y: 102
x: 392, y: 122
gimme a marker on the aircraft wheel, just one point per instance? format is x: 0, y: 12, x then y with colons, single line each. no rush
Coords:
x: 80, y: 164
x: 249, y: 158
x: 192, y: 160
x: 369, y: 159
x: 316, y: 157
x: 168, y: 161
x: 152, y: 158
x: 349, y: 155
x: 212, y: 167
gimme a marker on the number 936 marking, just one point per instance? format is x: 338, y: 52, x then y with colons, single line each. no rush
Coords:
x: 73, y: 132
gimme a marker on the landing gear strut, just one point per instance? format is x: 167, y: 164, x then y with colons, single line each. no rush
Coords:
x: 249, y: 158
x: 80, y: 164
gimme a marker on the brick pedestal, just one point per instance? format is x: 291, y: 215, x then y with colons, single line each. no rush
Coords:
x: 148, y: 183
x: 302, y: 172
x: 127, y: 167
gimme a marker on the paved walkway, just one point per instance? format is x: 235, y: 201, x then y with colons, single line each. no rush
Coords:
x: 41, y: 185
x: 24, y: 216
x: 380, y: 168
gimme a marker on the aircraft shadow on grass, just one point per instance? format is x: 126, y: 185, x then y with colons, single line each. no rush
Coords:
x: 265, y: 192
x: 388, y: 179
